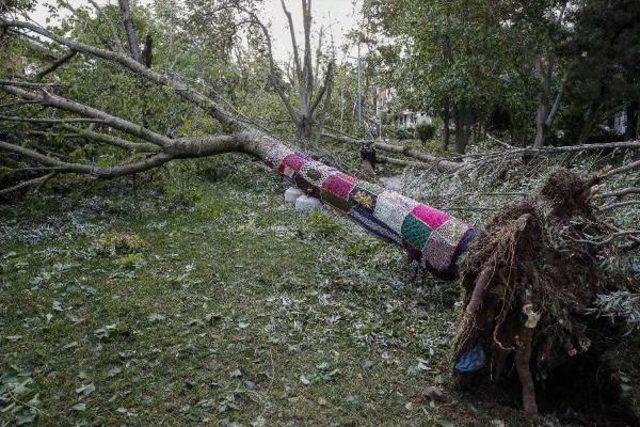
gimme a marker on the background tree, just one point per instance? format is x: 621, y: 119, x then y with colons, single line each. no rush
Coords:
x: 304, y: 75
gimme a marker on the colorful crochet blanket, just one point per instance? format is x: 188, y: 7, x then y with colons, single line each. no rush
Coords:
x: 431, y: 237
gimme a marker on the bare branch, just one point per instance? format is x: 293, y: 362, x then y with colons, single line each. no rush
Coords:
x: 327, y: 82
x: 274, y: 70
x: 137, y: 147
x: 441, y: 165
x: 21, y: 83
x: 623, y: 233
x: 49, y: 120
x: 404, y: 163
x: 294, y: 43
x: 307, y: 70
x: 612, y: 206
x: 556, y: 104
x: 620, y: 193
x: 621, y: 169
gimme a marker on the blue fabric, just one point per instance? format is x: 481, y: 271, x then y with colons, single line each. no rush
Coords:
x: 472, y: 360
x: 373, y: 225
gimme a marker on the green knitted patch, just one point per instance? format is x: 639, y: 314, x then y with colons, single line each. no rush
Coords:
x: 372, y: 188
x: 415, y: 231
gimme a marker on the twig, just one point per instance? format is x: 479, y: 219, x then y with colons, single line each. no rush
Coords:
x: 39, y: 180
x: 619, y: 193
x: 618, y: 205
x: 617, y: 171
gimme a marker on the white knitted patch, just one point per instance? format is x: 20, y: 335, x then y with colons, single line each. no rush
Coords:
x: 316, y: 173
x: 392, y: 208
x: 276, y: 153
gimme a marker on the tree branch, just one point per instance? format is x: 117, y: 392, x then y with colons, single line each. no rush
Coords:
x: 54, y: 66
x: 180, y: 88
x: 621, y: 169
x: 102, y: 172
x: 327, y: 82
x: 35, y: 181
x: 620, y: 193
x: 274, y: 70
x: 110, y: 24
x: 49, y: 120
x: 136, y: 147
x: 56, y: 101
x: 134, y: 47
x: 618, y: 205
x: 294, y: 44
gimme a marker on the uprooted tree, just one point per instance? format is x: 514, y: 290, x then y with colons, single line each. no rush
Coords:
x: 526, y: 292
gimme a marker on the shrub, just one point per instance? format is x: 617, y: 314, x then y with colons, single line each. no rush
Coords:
x: 403, y: 133
x: 425, y: 132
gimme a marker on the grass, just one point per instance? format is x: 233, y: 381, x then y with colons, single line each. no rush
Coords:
x: 201, y: 298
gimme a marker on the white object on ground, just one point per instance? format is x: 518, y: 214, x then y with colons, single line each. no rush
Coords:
x: 292, y: 194
x: 393, y: 183
x: 307, y: 204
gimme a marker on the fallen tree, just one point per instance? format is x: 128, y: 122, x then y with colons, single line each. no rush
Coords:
x: 529, y: 283
x: 423, y: 159
x: 431, y: 237
x: 513, y: 243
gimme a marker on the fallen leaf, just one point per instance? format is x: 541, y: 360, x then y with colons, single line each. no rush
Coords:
x: 79, y: 407
x: 86, y: 390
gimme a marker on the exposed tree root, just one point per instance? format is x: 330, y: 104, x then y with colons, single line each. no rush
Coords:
x: 528, y: 281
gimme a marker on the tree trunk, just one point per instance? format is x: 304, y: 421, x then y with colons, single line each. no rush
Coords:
x: 542, y: 130
x: 445, y: 127
x: 633, y: 121
x: 134, y: 47
x: 589, y: 122
x: 305, y: 129
x: 463, y: 131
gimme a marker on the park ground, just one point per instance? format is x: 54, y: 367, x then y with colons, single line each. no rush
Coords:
x: 194, y: 295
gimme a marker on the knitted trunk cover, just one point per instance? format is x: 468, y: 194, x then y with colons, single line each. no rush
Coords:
x: 433, y: 238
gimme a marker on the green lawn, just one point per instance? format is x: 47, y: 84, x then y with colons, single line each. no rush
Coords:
x: 199, y: 297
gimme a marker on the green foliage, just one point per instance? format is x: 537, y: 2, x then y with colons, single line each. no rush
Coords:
x: 425, y: 131
x: 402, y: 133
x: 116, y: 243
x: 131, y: 261
x: 323, y: 224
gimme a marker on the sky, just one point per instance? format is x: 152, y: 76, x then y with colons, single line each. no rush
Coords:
x: 337, y: 16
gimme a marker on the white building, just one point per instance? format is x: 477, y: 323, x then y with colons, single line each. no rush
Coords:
x: 387, y: 97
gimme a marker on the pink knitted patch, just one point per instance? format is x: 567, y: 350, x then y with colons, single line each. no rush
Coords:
x: 340, y: 185
x: 291, y: 164
x: 430, y: 216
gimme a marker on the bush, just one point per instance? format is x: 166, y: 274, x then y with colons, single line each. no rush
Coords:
x: 403, y: 133
x: 425, y: 132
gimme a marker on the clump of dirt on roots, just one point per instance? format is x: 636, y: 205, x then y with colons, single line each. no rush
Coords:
x: 526, y: 294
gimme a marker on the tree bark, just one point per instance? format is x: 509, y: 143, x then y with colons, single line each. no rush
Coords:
x: 523, y: 367
x: 127, y: 20
x: 445, y: 127
x: 590, y: 121
x: 462, y: 130
x: 542, y: 130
